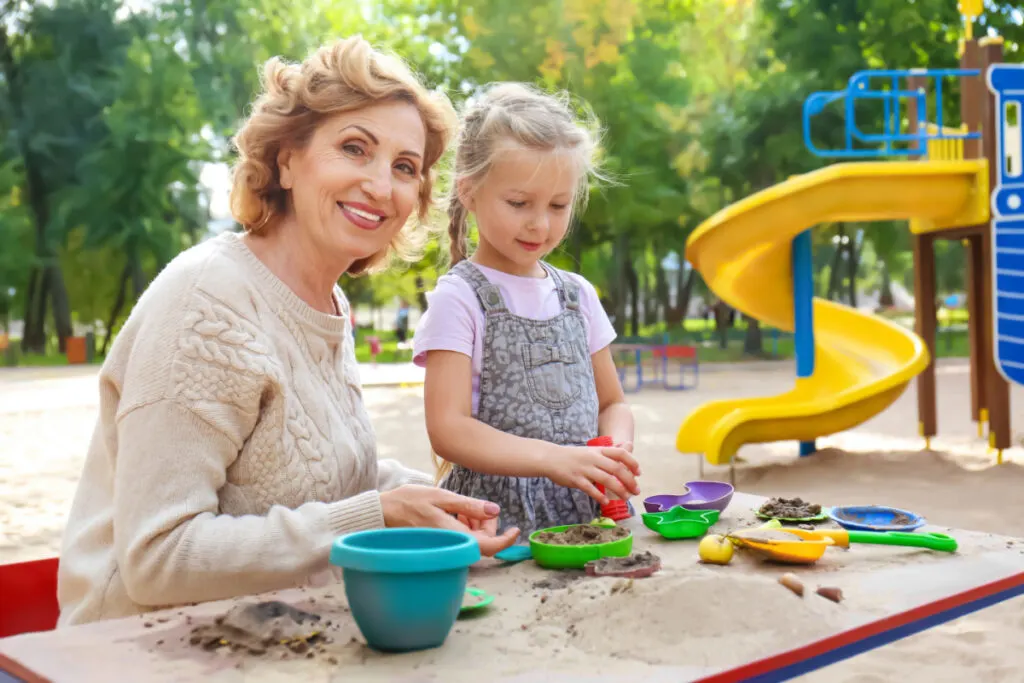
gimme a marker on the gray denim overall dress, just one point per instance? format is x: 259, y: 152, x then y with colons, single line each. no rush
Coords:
x: 536, y: 381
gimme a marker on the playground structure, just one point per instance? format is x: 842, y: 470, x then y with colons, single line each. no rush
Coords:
x: 756, y: 255
x: 676, y: 366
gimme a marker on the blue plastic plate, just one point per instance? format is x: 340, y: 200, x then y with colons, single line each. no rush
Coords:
x: 515, y: 553
x: 875, y: 518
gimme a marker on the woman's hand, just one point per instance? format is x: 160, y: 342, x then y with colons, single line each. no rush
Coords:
x: 427, y: 506
x: 582, y: 467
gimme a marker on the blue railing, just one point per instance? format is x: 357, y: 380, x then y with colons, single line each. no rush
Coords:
x: 891, y: 141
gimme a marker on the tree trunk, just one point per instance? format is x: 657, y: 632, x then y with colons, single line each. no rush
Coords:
x: 853, y: 253
x: 619, y: 299
x: 61, y: 307
x: 723, y: 321
x: 47, y: 274
x: 33, y: 338
x: 633, y: 282
x: 752, y: 341
x: 835, y: 273
x: 885, y: 297
x: 651, y: 296
x: 116, y: 310
x: 684, y: 288
x: 661, y: 290
x: 421, y: 294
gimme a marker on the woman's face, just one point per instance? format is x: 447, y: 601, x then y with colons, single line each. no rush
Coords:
x: 357, y: 180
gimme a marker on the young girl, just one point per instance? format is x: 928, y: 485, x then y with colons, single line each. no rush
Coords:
x: 519, y: 376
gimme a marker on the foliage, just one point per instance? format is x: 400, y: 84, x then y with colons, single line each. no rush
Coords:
x: 109, y: 113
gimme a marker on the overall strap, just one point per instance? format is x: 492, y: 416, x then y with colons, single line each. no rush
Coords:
x: 488, y: 294
x: 568, y: 290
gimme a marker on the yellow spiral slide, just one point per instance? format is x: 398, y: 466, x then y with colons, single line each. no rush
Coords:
x: 862, y: 362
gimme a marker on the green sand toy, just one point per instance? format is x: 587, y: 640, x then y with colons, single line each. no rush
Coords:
x: 552, y: 556
x: 476, y: 600
x: 679, y: 522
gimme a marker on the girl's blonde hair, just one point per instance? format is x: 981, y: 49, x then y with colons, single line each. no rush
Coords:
x: 346, y: 75
x: 526, y: 116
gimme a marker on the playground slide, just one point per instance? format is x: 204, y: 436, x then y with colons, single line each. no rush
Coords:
x: 862, y: 362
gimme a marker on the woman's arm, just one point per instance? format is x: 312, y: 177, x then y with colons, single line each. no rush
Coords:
x: 616, y: 417
x: 391, y: 474
x: 460, y: 438
x: 173, y: 544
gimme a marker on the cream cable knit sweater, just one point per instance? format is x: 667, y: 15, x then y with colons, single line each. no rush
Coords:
x: 232, y: 446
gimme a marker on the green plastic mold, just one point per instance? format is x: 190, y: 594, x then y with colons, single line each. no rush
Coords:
x: 575, y: 556
x: 680, y: 522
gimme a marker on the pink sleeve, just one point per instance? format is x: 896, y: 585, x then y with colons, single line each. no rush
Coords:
x: 450, y: 323
x: 599, y: 327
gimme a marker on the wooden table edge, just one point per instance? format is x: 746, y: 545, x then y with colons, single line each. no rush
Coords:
x: 19, y: 671
x: 835, y: 648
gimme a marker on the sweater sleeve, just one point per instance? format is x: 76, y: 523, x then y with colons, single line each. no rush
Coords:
x: 391, y: 474
x: 172, y: 544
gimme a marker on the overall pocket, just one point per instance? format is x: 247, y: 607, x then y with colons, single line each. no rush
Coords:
x: 553, y: 374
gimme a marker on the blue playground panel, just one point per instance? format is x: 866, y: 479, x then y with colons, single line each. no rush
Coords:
x: 1007, y: 82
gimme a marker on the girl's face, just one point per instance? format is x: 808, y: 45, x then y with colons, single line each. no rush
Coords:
x: 522, y: 208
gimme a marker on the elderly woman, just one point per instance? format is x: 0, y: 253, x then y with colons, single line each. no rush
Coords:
x: 233, y: 446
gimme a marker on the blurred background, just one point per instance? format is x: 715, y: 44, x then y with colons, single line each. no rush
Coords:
x: 116, y: 120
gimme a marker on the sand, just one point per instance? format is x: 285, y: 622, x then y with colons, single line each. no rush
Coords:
x: 687, y: 620
x: 44, y: 435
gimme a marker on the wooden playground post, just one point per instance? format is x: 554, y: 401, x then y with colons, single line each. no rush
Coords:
x: 990, y: 392
x: 972, y: 95
x: 925, y: 326
x: 998, y: 389
x: 976, y: 338
x: 925, y: 321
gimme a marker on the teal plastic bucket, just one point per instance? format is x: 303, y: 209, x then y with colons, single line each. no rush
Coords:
x: 405, y: 586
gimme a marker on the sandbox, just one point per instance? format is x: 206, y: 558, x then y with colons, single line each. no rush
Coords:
x: 686, y: 622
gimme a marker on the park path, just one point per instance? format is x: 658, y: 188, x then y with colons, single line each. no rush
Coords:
x: 74, y: 386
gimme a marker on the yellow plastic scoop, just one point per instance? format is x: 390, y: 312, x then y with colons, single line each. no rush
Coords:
x: 798, y: 546
x: 783, y: 546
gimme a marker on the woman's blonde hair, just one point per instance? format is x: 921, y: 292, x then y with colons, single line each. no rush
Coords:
x: 343, y: 76
x: 526, y: 116
x: 521, y: 114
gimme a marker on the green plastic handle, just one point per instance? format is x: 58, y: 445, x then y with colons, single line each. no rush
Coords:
x: 941, y: 542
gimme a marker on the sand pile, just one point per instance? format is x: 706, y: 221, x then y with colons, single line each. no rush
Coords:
x: 646, y: 619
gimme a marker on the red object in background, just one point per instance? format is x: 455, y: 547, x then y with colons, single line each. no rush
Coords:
x: 374, y: 343
x: 29, y: 591
x: 615, y: 510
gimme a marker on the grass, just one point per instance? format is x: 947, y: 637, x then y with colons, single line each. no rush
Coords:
x: 951, y: 342
x: 389, y: 351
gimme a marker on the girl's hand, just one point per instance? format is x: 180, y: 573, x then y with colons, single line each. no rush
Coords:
x: 582, y: 466
x: 427, y: 506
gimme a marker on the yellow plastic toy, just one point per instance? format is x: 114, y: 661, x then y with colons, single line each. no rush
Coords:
x: 971, y: 10
x: 862, y: 362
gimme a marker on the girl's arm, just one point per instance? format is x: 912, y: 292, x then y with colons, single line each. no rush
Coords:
x: 460, y: 438
x: 616, y: 417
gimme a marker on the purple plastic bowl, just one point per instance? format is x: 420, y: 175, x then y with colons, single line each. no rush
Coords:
x: 700, y: 495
